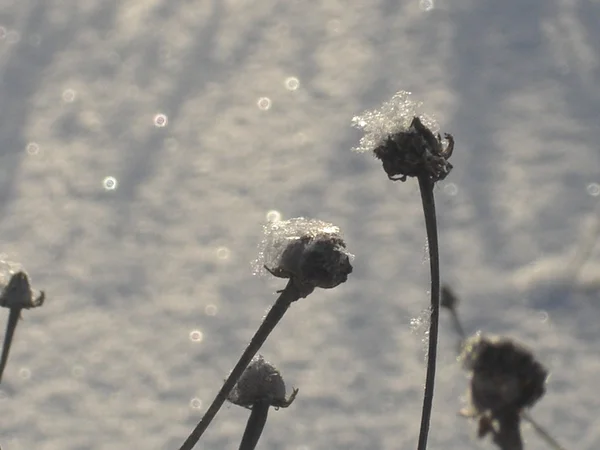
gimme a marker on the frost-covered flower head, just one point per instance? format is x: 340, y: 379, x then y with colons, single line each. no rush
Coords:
x: 505, y: 376
x: 310, y: 250
x: 261, y: 381
x: 404, y: 140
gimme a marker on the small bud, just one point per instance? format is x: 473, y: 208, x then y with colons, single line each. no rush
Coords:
x: 505, y: 376
x: 260, y: 381
x: 448, y: 299
x: 309, y: 250
x: 18, y: 294
x: 404, y: 140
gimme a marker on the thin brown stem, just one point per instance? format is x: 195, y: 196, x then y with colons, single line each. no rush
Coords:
x: 11, y: 326
x: 292, y: 292
x: 426, y: 188
x: 457, y: 325
x: 541, y: 432
x: 508, y: 437
x: 256, y: 424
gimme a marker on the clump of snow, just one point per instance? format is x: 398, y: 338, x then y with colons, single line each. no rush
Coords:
x: 392, y: 117
x: 279, y: 236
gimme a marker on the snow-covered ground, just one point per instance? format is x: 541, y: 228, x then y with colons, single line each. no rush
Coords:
x: 143, y: 144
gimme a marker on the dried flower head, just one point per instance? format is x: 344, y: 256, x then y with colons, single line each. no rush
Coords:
x: 505, y: 376
x: 18, y: 294
x: 309, y: 250
x: 261, y: 381
x: 405, y: 141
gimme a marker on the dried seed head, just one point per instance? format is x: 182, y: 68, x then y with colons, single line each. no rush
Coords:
x: 505, y: 376
x: 404, y: 141
x: 309, y: 250
x: 18, y: 294
x: 260, y: 381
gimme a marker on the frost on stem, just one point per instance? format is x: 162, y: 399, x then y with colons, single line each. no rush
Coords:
x: 404, y: 140
x: 505, y: 378
x: 309, y: 250
x: 261, y: 381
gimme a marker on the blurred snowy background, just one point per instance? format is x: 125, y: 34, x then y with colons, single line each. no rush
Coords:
x: 143, y: 144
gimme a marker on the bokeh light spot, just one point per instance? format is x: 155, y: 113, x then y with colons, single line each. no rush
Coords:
x: 264, y: 103
x: 110, y: 183
x: 195, y: 403
x: 273, y: 216
x: 292, y: 83
x: 451, y: 189
x: 77, y: 371
x: 426, y: 5
x: 593, y: 189
x: 196, y: 336
x: 161, y: 120
x: 68, y: 95
x: 32, y: 148
x: 223, y: 253
x: 211, y: 310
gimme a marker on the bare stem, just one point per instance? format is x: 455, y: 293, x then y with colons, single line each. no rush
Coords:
x: 292, y: 292
x: 256, y: 424
x: 11, y: 326
x: 542, y: 433
x: 509, y: 435
x: 426, y: 188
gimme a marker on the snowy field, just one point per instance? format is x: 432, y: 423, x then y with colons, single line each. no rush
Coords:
x: 143, y: 145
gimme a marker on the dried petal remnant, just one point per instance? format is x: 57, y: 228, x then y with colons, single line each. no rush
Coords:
x: 311, y: 251
x: 261, y: 381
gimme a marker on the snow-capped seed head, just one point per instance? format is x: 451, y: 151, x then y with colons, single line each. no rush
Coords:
x: 18, y: 294
x: 404, y: 141
x: 505, y: 376
x: 260, y: 381
x: 309, y: 250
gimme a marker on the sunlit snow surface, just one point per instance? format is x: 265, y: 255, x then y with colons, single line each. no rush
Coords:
x: 144, y: 145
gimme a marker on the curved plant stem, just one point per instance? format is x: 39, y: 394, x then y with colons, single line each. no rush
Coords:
x: 11, y: 326
x: 426, y: 188
x: 256, y: 424
x: 292, y: 292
